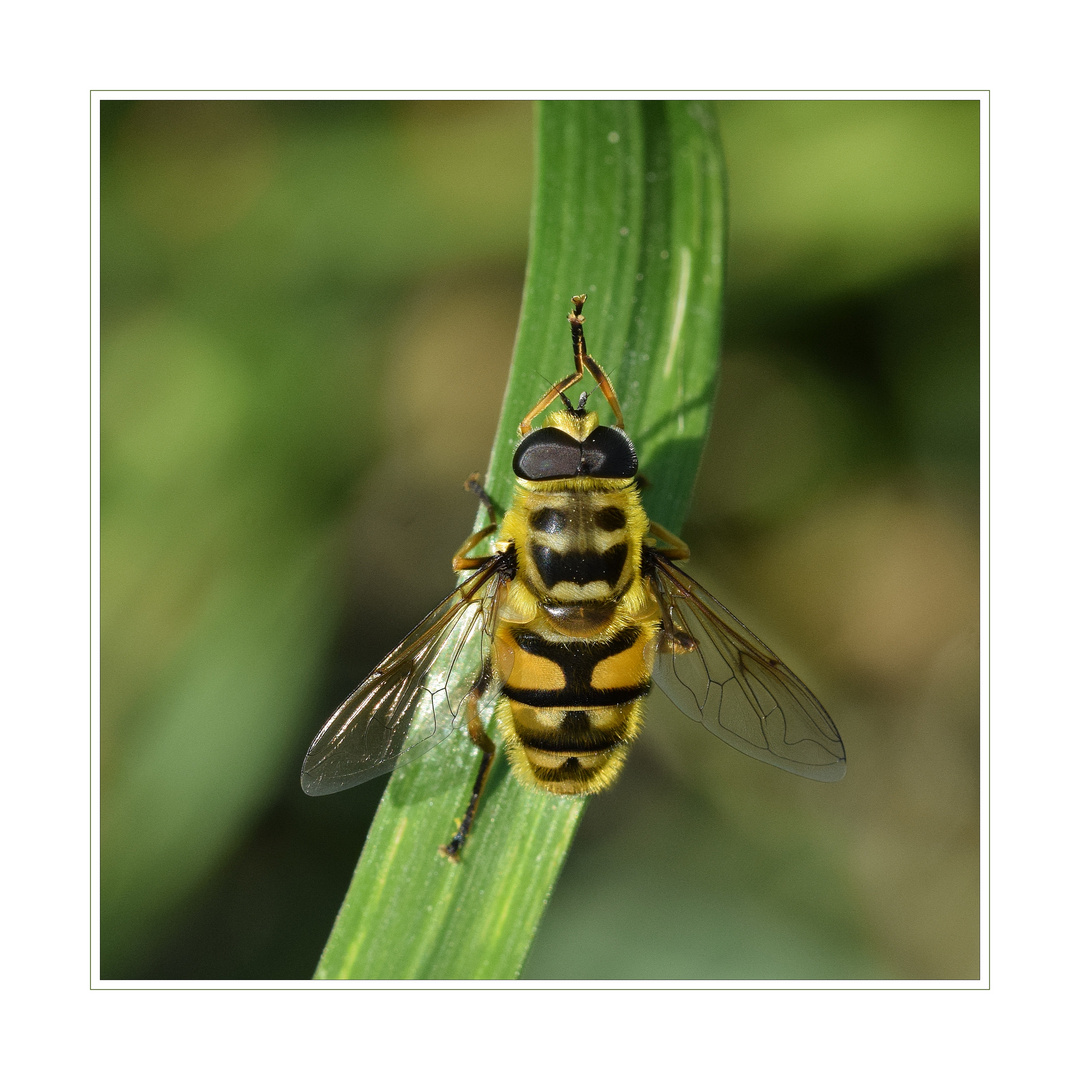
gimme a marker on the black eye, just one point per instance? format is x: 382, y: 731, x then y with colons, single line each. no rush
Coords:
x: 547, y: 454
x: 608, y: 452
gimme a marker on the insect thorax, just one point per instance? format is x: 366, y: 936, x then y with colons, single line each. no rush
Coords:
x: 578, y: 544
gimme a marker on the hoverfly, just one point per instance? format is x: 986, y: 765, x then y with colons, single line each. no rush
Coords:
x: 579, y: 610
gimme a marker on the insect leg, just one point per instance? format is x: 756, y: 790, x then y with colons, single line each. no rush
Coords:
x: 526, y: 425
x: 583, y: 359
x: 676, y: 548
x: 462, y: 560
x: 479, y: 736
x: 474, y: 485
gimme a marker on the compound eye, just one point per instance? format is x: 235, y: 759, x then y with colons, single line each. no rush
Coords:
x: 608, y: 452
x: 547, y: 454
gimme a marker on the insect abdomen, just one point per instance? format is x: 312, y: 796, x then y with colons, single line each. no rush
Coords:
x: 568, y: 751
x: 570, y: 707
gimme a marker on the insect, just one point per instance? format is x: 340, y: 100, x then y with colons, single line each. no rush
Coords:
x: 578, y: 611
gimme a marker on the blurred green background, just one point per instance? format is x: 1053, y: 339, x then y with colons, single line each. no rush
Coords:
x: 307, y: 314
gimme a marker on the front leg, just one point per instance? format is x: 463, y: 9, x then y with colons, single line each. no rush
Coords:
x: 462, y: 559
x: 676, y: 548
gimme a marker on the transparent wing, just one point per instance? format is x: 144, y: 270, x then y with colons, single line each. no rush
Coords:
x: 403, y: 709
x: 718, y: 673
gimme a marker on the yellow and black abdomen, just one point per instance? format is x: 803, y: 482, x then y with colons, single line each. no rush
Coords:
x: 569, y: 707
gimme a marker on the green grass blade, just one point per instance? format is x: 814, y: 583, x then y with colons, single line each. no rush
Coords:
x: 629, y: 209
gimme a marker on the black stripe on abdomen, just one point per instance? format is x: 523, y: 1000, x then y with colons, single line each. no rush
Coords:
x: 574, y: 735
x: 577, y: 659
x: 579, y: 567
x: 570, y: 771
x: 581, y: 698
